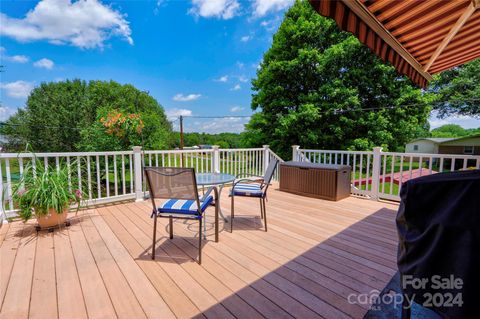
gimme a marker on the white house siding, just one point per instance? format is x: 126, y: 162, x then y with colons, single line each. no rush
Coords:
x: 424, y: 146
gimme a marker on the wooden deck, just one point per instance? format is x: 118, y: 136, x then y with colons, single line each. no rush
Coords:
x: 313, y: 256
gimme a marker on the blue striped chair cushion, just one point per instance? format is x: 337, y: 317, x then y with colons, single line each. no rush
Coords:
x: 247, y: 189
x: 184, y: 206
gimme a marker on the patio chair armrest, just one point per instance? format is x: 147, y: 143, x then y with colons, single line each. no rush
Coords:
x: 209, y: 190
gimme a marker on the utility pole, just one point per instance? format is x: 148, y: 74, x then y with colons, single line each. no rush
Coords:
x: 181, y: 137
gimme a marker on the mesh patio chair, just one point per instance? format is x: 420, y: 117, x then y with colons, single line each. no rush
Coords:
x: 253, y: 186
x: 179, y: 187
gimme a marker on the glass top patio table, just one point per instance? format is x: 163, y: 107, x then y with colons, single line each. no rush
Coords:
x: 214, y: 178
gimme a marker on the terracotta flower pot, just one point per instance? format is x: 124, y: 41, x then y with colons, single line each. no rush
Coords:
x: 52, y: 219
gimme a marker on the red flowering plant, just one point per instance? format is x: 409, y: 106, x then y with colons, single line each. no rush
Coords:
x: 122, y: 125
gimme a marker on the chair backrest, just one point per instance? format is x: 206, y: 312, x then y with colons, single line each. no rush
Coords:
x: 270, y: 170
x: 172, y: 182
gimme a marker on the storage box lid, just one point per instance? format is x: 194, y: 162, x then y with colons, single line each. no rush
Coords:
x: 316, y: 165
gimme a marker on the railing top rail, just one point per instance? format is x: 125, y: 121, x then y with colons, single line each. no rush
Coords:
x: 276, y: 156
x: 428, y: 155
x: 62, y: 154
x: 177, y: 151
x: 334, y: 151
x: 240, y: 149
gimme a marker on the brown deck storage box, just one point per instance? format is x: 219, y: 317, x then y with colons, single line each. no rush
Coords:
x: 324, y: 181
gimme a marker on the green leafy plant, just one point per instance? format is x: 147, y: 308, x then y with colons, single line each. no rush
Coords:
x: 41, y: 189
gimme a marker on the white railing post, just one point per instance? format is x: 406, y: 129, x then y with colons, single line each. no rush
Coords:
x: 137, y: 172
x: 266, y: 157
x: 295, y: 151
x: 216, y: 159
x: 377, y: 152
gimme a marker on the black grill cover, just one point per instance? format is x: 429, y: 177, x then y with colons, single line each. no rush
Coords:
x: 438, y: 224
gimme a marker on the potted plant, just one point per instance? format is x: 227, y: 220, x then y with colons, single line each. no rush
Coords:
x: 46, y: 193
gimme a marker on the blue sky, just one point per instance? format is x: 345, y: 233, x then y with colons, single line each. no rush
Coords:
x: 195, y: 57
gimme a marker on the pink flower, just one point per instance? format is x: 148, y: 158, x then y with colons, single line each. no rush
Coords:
x: 78, y: 193
x: 21, y: 192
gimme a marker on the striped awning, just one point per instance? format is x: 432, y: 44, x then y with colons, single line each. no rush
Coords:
x: 418, y: 37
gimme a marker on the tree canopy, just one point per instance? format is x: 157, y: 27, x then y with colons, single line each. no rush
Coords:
x: 88, y: 116
x: 320, y: 87
x: 453, y: 130
x: 457, y: 91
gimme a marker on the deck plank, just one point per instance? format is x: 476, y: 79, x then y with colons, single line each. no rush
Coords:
x: 123, y: 299
x: 97, y: 299
x: 16, y: 303
x: 8, y: 252
x: 3, y: 232
x: 71, y: 303
x: 43, y: 303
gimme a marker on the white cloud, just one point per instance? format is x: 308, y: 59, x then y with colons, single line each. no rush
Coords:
x: 6, y: 112
x: 271, y: 24
x: 213, y: 126
x: 462, y: 120
x: 240, y: 65
x: 174, y: 113
x: 186, y: 98
x: 19, y: 58
x: 85, y: 24
x: 13, y: 58
x: 242, y: 78
x: 224, y: 9
x: 222, y: 79
x: 236, y: 87
x: 44, y: 63
x: 262, y: 7
x: 17, y: 89
x: 246, y: 38
x: 234, y: 109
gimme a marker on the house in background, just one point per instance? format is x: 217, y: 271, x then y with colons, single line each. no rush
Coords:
x: 467, y: 145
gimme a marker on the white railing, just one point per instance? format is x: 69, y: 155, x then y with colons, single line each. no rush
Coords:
x: 380, y: 175
x: 101, y: 176
x: 115, y: 176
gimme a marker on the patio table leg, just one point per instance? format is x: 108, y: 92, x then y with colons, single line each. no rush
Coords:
x: 220, y: 188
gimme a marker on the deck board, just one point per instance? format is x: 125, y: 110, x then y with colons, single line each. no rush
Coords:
x: 314, y: 255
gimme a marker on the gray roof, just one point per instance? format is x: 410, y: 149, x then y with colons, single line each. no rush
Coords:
x: 435, y: 139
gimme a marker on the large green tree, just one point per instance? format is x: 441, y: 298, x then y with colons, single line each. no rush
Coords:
x: 458, y: 90
x: 320, y: 87
x: 453, y: 130
x: 88, y: 116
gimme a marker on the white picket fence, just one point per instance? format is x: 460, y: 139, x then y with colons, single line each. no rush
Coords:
x: 116, y: 176
x: 380, y: 175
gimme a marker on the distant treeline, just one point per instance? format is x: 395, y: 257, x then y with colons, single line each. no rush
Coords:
x: 224, y: 140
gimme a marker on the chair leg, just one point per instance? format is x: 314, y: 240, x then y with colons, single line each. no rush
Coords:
x: 171, y: 227
x: 232, y: 208
x: 154, y: 235
x: 261, y: 208
x: 264, y: 213
x: 200, y: 235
